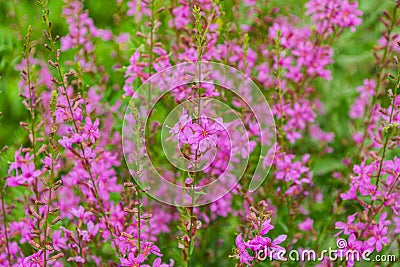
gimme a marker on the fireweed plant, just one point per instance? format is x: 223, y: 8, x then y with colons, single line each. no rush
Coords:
x: 68, y: 70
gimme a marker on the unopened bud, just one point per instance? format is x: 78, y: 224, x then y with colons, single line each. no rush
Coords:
x: 54, y: 210
x: 56, y: 257
x: 35, y: 232
x: 48, y: 47
x: 53, y: 64
x: 56, y: 220
x: 39, y: 203
x: 128, y: 184
x: 125, y: 234
x: 147, y: 216
x: 34, y: 244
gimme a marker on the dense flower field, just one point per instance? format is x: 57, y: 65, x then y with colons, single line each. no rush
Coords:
x: 199, y: 133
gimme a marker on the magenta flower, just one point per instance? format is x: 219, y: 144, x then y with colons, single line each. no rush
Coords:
x: 379, y: 237
x: 345, y: 227
x: 67, y: 142
x: 132, y: 261
x: 288, y: 170
x: 181, y: 130
x: 77, y: 259
x: 361, y: 182
x: 81, y: 214
x: 28, y: 174
x: 205, y: 133
x: 19, y: 160
x: 181, y: 15
x: 137, y: 9
x: 300, y: 114
x: 271, y: 247
x: 329, y: 13
x: 306, y: 225
x: 34, y: 260
x: 352, y: 245
x: 157, y: 263
x: 92, y: 129
x: 266, y: 227
x: 243, y: 254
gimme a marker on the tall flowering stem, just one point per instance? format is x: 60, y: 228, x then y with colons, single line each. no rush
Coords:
x: 278, y: 74
x: 151, y: 45
x: 63, y: 77
x: 51, y: 187
x: 389, y: 130
x: 31, y: 98
x: 3, y: 211
x: 382, y: 64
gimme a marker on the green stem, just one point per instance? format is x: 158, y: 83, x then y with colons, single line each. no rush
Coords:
x: 380, y: 77
x: 3, y: 209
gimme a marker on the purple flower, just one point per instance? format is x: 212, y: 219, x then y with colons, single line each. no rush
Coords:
x: 307, y: 225
x: 345, y: 227
x: 266, y: 227
x: 157, y: 263
x: 379, y: 236
x: 132, y: 261
x: 204, y: 133
x: 244, y: 255
x: 271, y: 247
x: 288, y: 170
x: 34, y: 260
x: 78, y: 259
x: 67, y: 142
x: 92, y: 129
x: 329, y: 13
x: 27, y: 176
x: 181, y: 16
x: 352, y: 245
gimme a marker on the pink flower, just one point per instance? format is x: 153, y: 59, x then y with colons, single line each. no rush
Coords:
x: 329, y: 13
x: 181, y: 16
x: 366, y: 92
x: 379, y: 237
x: 92, y: 129
x: 181, y: 130
x: 300, y: 114
x: 352, y: 245
x: 307, y: 225
x: 271, y: 247
x: 288, y: 170
x: 138, y: 8
x: 76, y: 138
x: 27, y: 176
x: 133, y: 71
x: 132, y: 261
x: 244, y: 255
x: 157, y: 263
x: 266, y: 227
x: 81, y: 214
x: 204, y: 133
x: 78, y: 259
x: 345, y: 227
x: 34, y: 260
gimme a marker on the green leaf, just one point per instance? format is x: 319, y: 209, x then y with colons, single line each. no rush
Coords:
x: 191, y: 247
